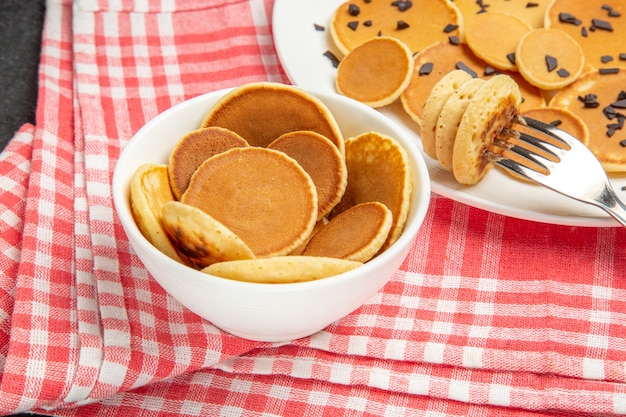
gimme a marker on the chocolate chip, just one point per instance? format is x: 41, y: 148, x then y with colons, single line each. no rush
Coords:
x: 620, y: 104
x: 590, y: 101
x: 402, y: 5
x: 609, y: 112
x: 353, y: 25
x: 462, y: 66
x: 511, y: 57
x: 426, y: 68
x: 563, y: 73
x: 605, y: 71
x: 601, y: 24
x: 333, y: 59
x: 583, y: 32
x: 454, y: 40
x: 353, y: 9
x: 319, y: 28
x: 606, y: 58
x: 529, y: 5
x: 623, y: 145
x: 622, y: 56
x: 489, y: 70
x: 367, y: 23
x: 551, y: 63
x: 569, y: 18
x: 401, y: 25
x: 450, y: 28
x: 556, y: 122
x: 614, y: 13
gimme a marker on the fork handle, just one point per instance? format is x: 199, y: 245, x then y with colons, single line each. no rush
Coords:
x: 611, y: 203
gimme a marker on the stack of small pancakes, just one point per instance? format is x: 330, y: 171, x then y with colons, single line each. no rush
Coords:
x: 567, y: 57
x: 267, y: 190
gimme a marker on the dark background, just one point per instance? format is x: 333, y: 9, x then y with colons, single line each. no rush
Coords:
x: 21, y: 22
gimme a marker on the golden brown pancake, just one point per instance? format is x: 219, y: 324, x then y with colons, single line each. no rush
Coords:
x: 549, y: 58
x: 262, y: 195
x: 201, y: 238
x: 378, y: 170
x: 356, y: 234
x: 195, y: 148
x: 599, y: 26
x: 450, y: 118
x: 446, y: 57
x: 494, y: 36
x: 321, y: 160
x: 375, y: 72
x: 261, y: 112
x: 491, y: 109
x: 418, y: 26
x: 531, y: 12
x: 281, y: 269
x: 606, y: 137
x: 435, y: 101
x: 149, y: 192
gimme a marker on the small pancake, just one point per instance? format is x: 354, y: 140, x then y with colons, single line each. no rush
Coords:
x: 491, y: 109
x: 261, y: 112
x: 321, y: 160
x: 320, y: 223
x: 531, y: 12
x: 281, y: 269
x: 435, y: 101
x: 262, y: 195
x: 356, y: 234
x: 604, y: 37
x: 494, y: 36
x: 195, y: 148
x: 378, y: 170
x: 375, y: 72
x: 418, y: 24
x: 607, y: 89
x: 549, y: 58
x: 450, y: 118
x: 149, y: 192
x: 201, y: 238
x: 446, y: 57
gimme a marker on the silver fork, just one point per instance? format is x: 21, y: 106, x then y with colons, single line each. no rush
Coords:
x: 563, y: 164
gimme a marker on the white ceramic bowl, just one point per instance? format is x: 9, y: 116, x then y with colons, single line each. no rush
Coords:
x: 266, y: 312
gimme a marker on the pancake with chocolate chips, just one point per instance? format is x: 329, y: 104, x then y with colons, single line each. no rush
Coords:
x: 439, y: 59
x: 532, y: 12
x: 375, y: 72
x: 494, y: 36
x: 417, y: 23
x: 261, y: 112
x: 599, y: 100
x: 599, y: 26
x: 549, y: 58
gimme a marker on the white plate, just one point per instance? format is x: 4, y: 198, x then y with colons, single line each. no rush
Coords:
x: 300, y: 49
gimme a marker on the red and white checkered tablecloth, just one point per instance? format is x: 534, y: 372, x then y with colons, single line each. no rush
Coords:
x: 488, y: 315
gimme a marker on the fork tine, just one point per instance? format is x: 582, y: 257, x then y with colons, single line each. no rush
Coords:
x: 538, y: 147
x: 561, y: 137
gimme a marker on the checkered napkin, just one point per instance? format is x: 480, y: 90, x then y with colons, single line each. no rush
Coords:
x: 487, y: 316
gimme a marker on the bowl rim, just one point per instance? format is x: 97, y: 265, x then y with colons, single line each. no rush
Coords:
x: 414, y: 221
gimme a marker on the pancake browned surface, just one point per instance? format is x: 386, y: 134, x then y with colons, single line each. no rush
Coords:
x: 356, y: 234
x: 149, y: 192
x: 445, y: 57
x: 418, y: 24
x: 201, y: 238
x: 599, y: 100
x: 491, y: 109
x: 195, y: 148
x: 378, y: 170
x: 261, y: 112
x: 599, y: 26
x: 450, y: 118
x: 262, y: 195
x: 549, y: 58
x: 435, y: 101
x: 531, y: 12
x: 321, y: 160
x: 494, y: 36
x: 281, y: 269
x: 375, y: 72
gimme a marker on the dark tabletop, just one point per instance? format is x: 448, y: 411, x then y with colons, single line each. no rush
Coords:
x: 20, y: 40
